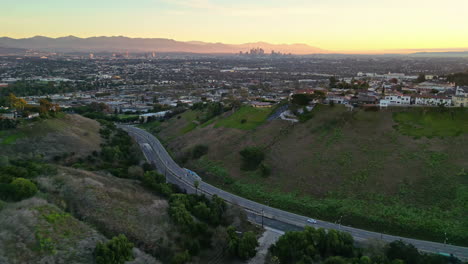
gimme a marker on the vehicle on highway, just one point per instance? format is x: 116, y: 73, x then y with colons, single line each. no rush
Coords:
x: 147, y: 146
x: 194, y: 174
x: 312, y: 221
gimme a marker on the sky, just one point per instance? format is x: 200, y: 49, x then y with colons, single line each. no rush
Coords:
x: 336, y: 25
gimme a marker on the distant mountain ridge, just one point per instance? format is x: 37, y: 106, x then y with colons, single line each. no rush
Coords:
x: 123, y: 44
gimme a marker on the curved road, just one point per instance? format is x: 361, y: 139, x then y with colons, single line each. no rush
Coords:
x: 156, y: 154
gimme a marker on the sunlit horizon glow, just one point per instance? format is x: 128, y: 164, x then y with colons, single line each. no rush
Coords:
x: 335, y: 25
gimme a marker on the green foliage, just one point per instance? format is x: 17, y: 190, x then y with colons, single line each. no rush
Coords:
x: 335, y: 260
x: 301, y: 99
x: 432, y: 122
x: 118, y: 155
x: 382, y: 214
x: 334, y: 247
x: 8, y: 124
x: 242, y: 246
x: 157, y: 183
x: 460, y: 79
x: 407, y: 253
x: 252, y: 157
x: 11, y: 139
x: 199, y: 150
x: 265, y: 170
x: 117, y: 251
x: 181, y: 258
x: 305, y: 116
x: 14, y: 178
x: 27, y: 88
x: 421, y: 78
x: 214, y: 169
x: 22, y: 189
x: 294, y: 247
x: 253, y: 116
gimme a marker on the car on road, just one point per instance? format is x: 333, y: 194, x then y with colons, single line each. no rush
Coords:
x: 311, y: 221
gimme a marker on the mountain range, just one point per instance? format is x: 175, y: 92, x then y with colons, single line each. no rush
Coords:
x: 124, y: 44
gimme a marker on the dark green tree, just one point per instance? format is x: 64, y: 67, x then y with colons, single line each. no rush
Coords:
x: 117, y: 251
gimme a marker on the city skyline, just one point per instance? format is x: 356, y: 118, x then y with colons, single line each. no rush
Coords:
x: 359, y: 27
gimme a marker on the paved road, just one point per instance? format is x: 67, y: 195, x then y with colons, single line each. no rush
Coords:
x: 272, y: 217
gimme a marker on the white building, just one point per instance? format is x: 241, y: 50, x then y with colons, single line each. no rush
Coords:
x: 398, y: 99
x: 431, y: 100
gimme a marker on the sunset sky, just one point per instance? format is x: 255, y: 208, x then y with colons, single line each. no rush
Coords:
x: 360, y: 25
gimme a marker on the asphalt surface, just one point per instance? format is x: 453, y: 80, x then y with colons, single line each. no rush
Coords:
x: 156, y: 154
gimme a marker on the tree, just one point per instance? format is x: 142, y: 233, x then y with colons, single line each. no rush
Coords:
x: 199, y: 150
x: 406, y: 252
x: 117, y: 251
x: 421, y: 78
x: 335, y: 260
x: 181, y: 258
x: 16, y: 102
x: 196, y: 184
x: 246, y: 247
x: 301, y: 99
x: 252, y: 157
x: 22, y: 189
x: 333, y: 82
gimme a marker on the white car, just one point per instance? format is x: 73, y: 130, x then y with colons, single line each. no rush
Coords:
x: 312, y: 221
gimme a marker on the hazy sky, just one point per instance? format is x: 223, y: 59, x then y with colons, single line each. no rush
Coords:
x: 328, y: 24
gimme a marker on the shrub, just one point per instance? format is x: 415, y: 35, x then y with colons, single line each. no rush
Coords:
x: 181, y: 258
x: 117, y: 251
x: 199, y: 150
x: 251, y: 157
x: 265, y: 170
x: 22, y: 189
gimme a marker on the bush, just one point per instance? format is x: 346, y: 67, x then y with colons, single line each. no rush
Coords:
x: 181, y: 258
x: 265, y: 170
x: 22, y: 189
x: 252, y: 157
x: 242, y: 246
x: 116, y: 251
x: 199, y: 150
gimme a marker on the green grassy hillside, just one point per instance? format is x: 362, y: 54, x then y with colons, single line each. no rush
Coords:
x: 396, y: 171
x: 52, y: 137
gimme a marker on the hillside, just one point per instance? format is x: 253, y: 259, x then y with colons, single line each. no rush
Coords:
x: 69, y: 185
x: 395, y: 171
x: 52, y: 137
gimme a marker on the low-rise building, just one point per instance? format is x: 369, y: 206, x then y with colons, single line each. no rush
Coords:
x: 430, y: 100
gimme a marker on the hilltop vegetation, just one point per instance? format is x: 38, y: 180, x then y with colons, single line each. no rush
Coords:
x: 395, y: 171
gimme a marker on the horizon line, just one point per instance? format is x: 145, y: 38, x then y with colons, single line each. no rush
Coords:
x: 394, y: 51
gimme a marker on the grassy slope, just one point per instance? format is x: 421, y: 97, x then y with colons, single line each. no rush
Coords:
x: 356, y: 165
x: 50, y: 137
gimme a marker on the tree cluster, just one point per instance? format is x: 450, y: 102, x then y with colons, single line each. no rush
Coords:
x: 252, y: 157
x: 116, y: 251
x: 335, y: 247
x: 16, y: 178
x: 460, y: 79
x: 243, y: 245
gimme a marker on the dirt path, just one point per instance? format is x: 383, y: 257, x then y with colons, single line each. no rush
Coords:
x: 269, y: 237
